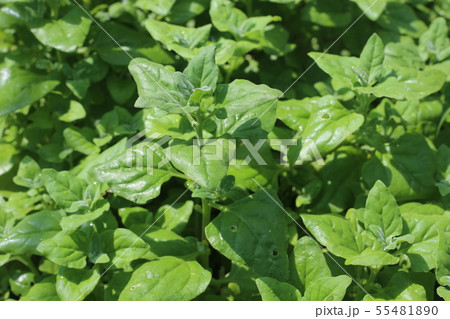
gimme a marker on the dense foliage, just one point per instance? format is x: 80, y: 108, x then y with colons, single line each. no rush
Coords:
x: 364, y: 215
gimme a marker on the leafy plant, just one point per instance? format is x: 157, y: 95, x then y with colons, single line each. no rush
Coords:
x: 180, y: 150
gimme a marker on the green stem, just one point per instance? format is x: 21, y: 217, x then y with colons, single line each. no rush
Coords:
x: 206, y: 218
x: 372, y: 276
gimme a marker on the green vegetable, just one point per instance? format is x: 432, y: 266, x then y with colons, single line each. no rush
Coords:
x: 276, y: 150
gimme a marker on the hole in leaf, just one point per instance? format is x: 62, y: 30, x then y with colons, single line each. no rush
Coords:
x: 325, y: 116
x: 274, y: 252
x: 233, y: 229
x: 132, y: 287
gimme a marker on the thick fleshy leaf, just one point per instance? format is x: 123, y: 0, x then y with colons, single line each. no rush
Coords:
x: 184, y: 41
x: 123, y: 246
x: 130, y: 174
x: 135, y: 43
x: 308, y: 263
x: 202, y: 70
x: 44, y: 290
x: 371, y: 59
x: 240, y: 233
x: 382, y: 212
x: 408, y: 168
x: 174, y: 217
x: 68, y: 250
x: 425, y: 228
x: 409, y: 84
x: 341, y: 69
x: 19, y: 88
x: 76, y: 284
x: 166, y: 279
x: 76, y: 140
x: 249, y: 108
x: 227, y: 18
x: 371, y: 10
x: 328, y: 289
x: 401, y: 18
x: 434, y: 42
x: 274, y: 290
x: 206, y: 164
x: 28, y: 173
x: 25, y: 237
x: 66, y: 34
x: 164, y: 242
x: 372, y: 258
x: 68, y: 191
x: 329, y: 127
x: 334, y: 232
x: 160, y: 7
x: 157, y: 87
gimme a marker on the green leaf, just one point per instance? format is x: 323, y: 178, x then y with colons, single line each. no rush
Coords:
x: 76, y: 284
x: 250, y: 109
x: 25, y: 237
x: 309, y: 264
x: 327, y: 13
x: 28, y: 174
x: 127, y: 175
x: 206, y: 164
x: 401, y: 18
x: 443, y: 259
x: 66, y: 34
x: 227, y: 18
x: 77, y: 141
x: 425, y: 228
x: 434, y: 42
x: 157, y: 87
x: 334, y: 232
x: 74, y: 221
x: 240, y: 234
x: 174, y: 217
x: 274, y: 290
x: 164, y: 242
x: 19, y: 88
x: 372, y: 258
x: 166, y: 279
x: 372, y: 10
x: 402, y: 287
x: 404, y: 54
x: 202, y: 70
x: 341, y: 69
x: 184, y: 41
x: 184, y: 10
x: 409, y: 84
x: 76, y: 112
x: 443, y: 162
x: 382, y: 211
x: 328, y: 289
x: 327, y: 128
x: 68, y: 250
x: 135, y: 43
x: 123, y: 246
x: 408, y: 168
x: 68, y: 191
x: 44, y: 290
x: 160, y: 7
x: 371, y: 59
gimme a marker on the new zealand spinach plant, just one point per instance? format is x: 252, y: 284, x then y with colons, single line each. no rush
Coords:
x: 224, y: 150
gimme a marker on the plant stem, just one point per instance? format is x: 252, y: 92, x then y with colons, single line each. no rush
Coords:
x: 206, y: 218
